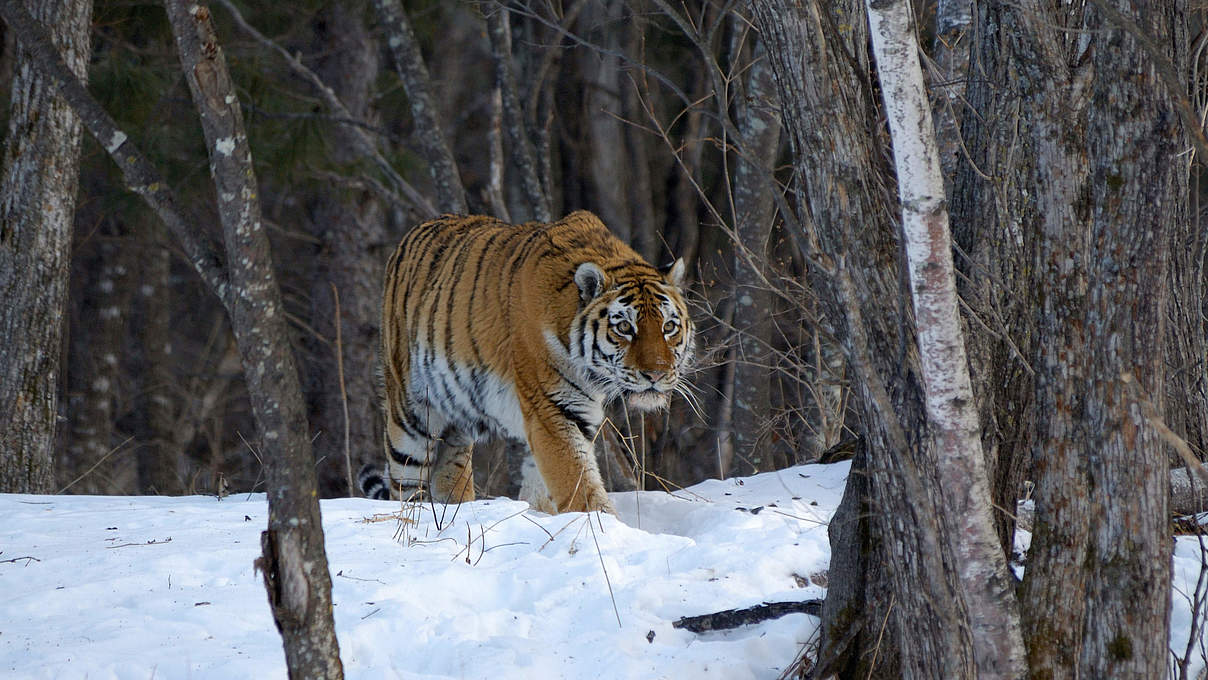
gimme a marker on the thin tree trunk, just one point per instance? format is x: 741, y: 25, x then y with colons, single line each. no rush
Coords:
x: 294, y: 561
x: 524, y: 158
x: 159, y: 468
x: 404, y: 49
x: 95, y: 373
x: 37, y: 204
x: 981, y: 565
x: 753, y: 324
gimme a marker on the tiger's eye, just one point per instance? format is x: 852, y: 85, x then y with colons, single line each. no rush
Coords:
x: 670, y: 327
x: 625, y: 328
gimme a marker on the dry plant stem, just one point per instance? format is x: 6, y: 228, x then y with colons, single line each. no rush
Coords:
x: 294, y: 562
x: 524, y: 157
x: 450, y: 195
x: 352, y: 487
x: 989, y: 599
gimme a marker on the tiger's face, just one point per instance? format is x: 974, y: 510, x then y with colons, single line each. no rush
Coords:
x: 633, y: 335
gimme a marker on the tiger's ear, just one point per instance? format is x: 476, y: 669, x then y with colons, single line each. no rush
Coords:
x: 590, y: 280
x: 675, y: 275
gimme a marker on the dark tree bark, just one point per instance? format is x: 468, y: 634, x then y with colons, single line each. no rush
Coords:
x: 1096, y: 595
x: 644, y: 231
x: 988, y: 208
x: 350, y: 227
x: 829, y: 115
x: 294, y: 562
x: 951, y: 52
x: 95, y: 371
x: 605, y: 155
x: 37, y: 204
x: 159, y: 453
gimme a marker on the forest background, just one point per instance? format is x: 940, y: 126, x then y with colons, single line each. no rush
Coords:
x: 749, y: 139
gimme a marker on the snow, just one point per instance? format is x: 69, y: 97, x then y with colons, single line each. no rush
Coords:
x: 159, y: 587
x: 156, y: 587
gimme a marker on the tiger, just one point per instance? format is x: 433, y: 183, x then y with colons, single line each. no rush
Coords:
x: 522, y: 332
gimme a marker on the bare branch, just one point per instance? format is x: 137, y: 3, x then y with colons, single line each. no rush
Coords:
x: 500, y: 32
x: 450, y: 195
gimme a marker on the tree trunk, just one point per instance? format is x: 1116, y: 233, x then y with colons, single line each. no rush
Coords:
x: 522, y: 154
x: 95, y: 372
x: 404, y: 49
x: 159, y: 461
x: 350, y: 227
x: 951, y: 412
x: 294, y: 561
x: 37, y: 204
x: 605, y: 153
x: 829, y: 115
x: 988, y: 208
x: 951, y: 53
x: 751, y: 404
x: 1096, y: 594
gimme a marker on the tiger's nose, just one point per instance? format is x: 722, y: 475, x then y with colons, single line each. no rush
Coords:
x: 654, y: 376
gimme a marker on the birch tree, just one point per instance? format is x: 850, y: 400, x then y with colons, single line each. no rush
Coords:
x: 845, y: 209
x: 981, y: 565
x: 37, y: 204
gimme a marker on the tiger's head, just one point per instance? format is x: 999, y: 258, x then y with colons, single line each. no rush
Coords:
x: 632, y: 334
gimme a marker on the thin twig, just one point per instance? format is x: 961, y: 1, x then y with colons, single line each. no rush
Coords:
x: 94, y: 465
x: 343, y: 390
x: 607, y: 580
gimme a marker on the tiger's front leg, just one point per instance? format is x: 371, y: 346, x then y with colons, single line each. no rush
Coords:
x: 567, y: 462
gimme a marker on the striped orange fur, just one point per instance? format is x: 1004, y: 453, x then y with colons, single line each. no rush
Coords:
x: 524, y: 332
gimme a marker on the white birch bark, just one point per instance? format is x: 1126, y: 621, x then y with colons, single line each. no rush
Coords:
x: 989, y: 598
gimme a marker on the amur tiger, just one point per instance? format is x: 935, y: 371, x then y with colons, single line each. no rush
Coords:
x: 522, y: 332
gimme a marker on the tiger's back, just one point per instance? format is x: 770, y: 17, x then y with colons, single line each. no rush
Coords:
x: 523, y: 332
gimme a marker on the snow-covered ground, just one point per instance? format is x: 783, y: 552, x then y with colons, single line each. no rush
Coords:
x: 155, y: 587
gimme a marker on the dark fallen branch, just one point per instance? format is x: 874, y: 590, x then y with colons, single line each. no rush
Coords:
x: 733, y: 618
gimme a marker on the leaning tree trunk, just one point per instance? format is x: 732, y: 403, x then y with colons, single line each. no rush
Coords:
x: 1096, y: 594
x: 980, y: 564
x: 37, y: 204
x: 988, y: 206
x: 404, y: 49
x: 829, y: 116
x: 523, y: 154
x: 294, y: 561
